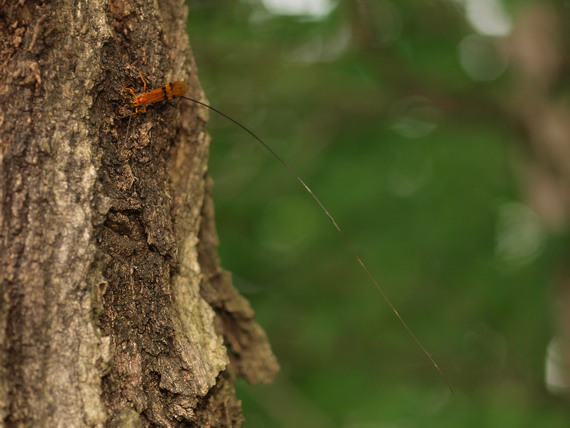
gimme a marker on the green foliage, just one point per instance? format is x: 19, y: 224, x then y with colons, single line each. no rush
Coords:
x: 412, y: 156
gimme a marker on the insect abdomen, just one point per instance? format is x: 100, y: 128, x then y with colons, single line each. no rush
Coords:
x: 167, y: 92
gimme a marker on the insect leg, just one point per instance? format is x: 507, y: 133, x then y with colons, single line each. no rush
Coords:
x: 144, y: 81
x: 132, y: 92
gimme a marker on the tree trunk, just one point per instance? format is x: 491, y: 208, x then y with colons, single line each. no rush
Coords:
x: 115, y: 311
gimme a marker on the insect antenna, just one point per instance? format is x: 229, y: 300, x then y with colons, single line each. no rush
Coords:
x: 128, y: 129
x: 347, y: 241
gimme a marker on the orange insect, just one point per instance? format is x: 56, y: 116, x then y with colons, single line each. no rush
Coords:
x: 166, y: 92
x: 177, y: 90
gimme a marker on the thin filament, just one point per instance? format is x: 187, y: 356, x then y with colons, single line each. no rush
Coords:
x: 128, y: 128
x: 347, y: 242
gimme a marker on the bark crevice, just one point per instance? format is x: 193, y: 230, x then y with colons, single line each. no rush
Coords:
x: 113, y: 312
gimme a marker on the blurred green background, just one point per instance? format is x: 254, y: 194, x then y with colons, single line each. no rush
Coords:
x: 393, y: 113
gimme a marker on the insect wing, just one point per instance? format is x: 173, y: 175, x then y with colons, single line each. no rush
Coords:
x: 177, y: 89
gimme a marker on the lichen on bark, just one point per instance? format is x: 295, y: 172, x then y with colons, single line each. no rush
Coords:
x: 114, y: 309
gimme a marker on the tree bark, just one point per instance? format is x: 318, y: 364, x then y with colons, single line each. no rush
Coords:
x: 114, y: 308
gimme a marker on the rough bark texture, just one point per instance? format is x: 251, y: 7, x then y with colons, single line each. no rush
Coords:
x: 114, y: 309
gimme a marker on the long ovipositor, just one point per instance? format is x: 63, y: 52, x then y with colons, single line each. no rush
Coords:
x: 177, y: 90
